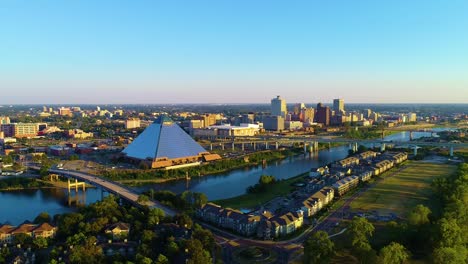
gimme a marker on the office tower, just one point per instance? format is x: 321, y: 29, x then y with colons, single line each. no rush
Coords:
x: 278, y: 107
x: 338, y: 106
x: 308, y: 115
x: 273, y: 123
x: 323, y: 114
x: 298, y: 108
x: 367, y: 113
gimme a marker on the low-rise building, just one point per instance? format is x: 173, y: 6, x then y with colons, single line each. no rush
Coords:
x: 132, y: 123
x: 118, y: 230
x: 8, y: 232
x: 346, y: 184
x: 368, y: 155
x: 344, y: 163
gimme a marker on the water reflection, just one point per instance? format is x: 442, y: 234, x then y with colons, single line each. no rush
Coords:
x: 18, y: 206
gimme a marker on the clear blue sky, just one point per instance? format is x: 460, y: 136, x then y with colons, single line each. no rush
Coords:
x: 233, y: 51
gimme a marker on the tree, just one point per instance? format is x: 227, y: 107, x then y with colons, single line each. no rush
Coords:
x: 360, y: 229
x: 184, y: 220
x: 419, y: 216
x: 197, y: 255
x: 194, y: 199
x: 450, y: 232
x: 22, y: 239
x: 154, y: 216
x: 42, y: 218
x: 172, y: 248
x: 87, y: 253
x: 318, y: 248
x: 40, y: 242
x: 448, y: 255
x: 394, y: 253
x: 143, y: 199
x: 44, y: 170
x: 162, y: 259
x: 205, y: 237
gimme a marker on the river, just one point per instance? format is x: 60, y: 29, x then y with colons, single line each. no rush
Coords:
x: 18, y: 206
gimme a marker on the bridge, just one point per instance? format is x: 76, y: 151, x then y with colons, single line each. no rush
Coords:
x: 112, y: 187
x: 310, y: 142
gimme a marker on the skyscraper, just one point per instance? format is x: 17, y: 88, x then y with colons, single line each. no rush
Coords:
x: 278, y: 107
x: 323, y: 114
x: 298, y: 108
x: 338, y: 106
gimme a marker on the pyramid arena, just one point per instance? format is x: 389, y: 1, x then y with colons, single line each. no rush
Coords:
x: 164, y: 144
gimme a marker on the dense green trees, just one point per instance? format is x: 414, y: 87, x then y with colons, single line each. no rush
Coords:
x: 419, y: 215
x: 394, y: 253
x: 263, y: 182
x: 43, y: 217
x: 451, y: 245
x: 318, y: 248
x: 205, y: 169
x: 197, y: 254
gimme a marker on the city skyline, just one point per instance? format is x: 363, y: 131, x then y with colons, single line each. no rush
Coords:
x: 58, y: 52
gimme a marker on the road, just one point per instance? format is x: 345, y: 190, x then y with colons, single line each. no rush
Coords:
x: 112, y: 187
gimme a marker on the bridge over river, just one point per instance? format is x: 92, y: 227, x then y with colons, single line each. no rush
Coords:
x: 118, y: 189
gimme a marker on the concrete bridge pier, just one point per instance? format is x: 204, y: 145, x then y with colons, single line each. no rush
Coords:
x: 211, y: 146
x: 305, y: 147
x: 316, y: 146
x: 382, y: 147
x: 266, y: 144
x: 276, y: 145
x: 411, y: 136
x: 356, y: 147
x: 451, y: 151
x: 76, y: 185
x: 242, y: 146
x: 255, y: 146
x: 222, y: 146
x: 233, y: 147
x: 415, y: 150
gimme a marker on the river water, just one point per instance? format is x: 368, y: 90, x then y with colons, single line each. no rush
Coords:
x: 18, y: 206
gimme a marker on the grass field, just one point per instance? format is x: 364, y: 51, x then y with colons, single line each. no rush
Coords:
x: 403, y: 188
x: 250, y: 201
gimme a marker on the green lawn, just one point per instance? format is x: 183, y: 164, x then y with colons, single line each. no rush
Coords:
x: 403, y: 188
x: 250, y: 201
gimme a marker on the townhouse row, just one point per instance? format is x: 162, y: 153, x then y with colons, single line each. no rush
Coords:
x: 8, y: 232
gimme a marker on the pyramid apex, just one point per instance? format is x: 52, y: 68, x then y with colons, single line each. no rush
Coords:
x: 163, y: 119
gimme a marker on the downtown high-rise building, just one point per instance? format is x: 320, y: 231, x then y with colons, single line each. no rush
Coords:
x: 278, y: 107
x: 323, y: 114
x: 338, y: 106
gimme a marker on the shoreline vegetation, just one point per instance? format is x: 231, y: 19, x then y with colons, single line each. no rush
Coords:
x: 137, y: 177
x: 141, y: 177
x: 252, y: 200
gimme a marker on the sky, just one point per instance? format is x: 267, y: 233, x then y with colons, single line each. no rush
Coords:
x: 233, y: 51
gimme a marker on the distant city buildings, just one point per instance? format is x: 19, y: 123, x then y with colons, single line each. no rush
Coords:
x: 338, y: 106
x: 273, y: 123
x: 227, y: 130
x: 278, y: 107
x: 4, y: 120
x: 132, y: 123
x: 22, y: 130
x: 323, y: 114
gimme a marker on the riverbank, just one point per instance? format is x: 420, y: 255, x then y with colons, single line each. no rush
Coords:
x: 140, y: 177
x: 32, y: 183
x: 253, y: 200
